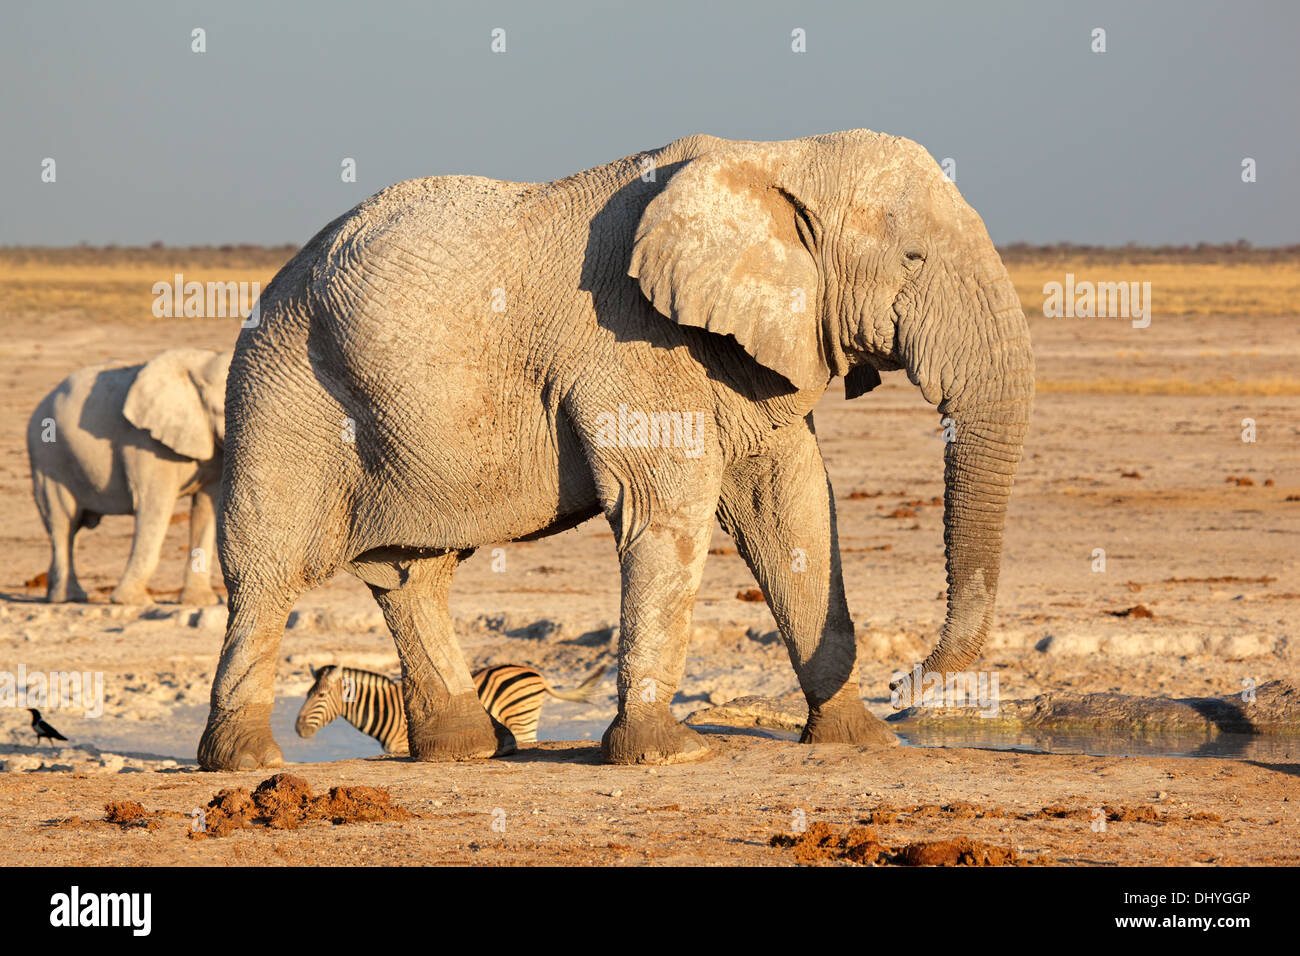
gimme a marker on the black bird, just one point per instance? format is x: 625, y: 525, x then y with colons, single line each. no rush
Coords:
x: 43, y: 729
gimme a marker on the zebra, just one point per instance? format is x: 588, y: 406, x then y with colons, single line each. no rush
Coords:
x: 372, y: 702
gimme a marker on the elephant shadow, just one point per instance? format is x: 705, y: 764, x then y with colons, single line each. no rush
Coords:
x: 102, y: 417
x: 560, y: 752
x: 1290, y: 769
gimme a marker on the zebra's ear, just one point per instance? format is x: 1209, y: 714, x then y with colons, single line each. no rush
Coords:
x: 314, y: 672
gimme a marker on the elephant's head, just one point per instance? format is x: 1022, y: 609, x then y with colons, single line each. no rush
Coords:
x: 179, y: 398
x: 847, y: 254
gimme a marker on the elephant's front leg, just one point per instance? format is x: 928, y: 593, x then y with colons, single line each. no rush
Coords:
x: 444, y: 718
x: 779, y: 510
x: 153, y: 511
x: 662, y: 548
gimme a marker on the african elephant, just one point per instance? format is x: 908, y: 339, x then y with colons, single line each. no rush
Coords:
x: 131, y: 440
x: 459, y: 361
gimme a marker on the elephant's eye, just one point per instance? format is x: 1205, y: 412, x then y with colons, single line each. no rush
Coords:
x: 914, y: 256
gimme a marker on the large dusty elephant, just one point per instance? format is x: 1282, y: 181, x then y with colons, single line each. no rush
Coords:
x: 459, y: 361
x: 132, y: 440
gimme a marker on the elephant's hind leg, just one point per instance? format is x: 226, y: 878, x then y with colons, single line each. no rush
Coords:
x: 778, y: 509
x: 238, y: 734
x: 203, y: 546
x: 273, y: 544
x: 62, y: 519
x: 444, y: 717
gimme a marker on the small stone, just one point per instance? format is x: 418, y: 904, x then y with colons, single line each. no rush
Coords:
x: 112, y: 763
x: 210, y: 618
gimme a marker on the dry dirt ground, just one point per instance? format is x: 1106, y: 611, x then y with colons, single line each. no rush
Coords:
x: 1135, y: 437
x: 555, y: 804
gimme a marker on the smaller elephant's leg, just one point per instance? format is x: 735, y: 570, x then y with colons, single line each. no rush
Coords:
x: 60, y: 513
x: 203, y: 546
x: 238, y: 732
x: 662, y: 545
x: 153, y: 513
x: 778, y: 509
x: 444, y: 718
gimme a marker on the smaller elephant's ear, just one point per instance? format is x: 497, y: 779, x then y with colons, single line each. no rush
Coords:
x: 724, y: 248
x: 165, y: 402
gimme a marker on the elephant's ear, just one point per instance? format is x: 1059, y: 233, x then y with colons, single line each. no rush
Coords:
x: 165, y: 402
x: 724, y: 248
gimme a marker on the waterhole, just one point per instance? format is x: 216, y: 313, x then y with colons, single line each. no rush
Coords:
x: 177, y: 737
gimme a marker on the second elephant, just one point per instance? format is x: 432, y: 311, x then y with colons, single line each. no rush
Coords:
x: 131, y: 441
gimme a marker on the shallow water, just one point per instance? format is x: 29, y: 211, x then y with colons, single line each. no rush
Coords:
x: 177, y: 737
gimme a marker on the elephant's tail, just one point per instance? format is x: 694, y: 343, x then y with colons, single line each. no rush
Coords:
x: 583, y: 691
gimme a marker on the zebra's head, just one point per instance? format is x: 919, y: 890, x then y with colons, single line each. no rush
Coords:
x: 324, y: 701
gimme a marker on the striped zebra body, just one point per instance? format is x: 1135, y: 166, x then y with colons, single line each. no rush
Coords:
x: 372, y: 702
x: 513, y: 695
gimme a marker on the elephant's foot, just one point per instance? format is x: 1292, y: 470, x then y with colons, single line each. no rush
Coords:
x: 652, y: 737
x: 131, y: 594
x: 234, y: 742
x: 461, y: 731
x: 846, y: 722
x: 198, y: 594
x: 67, y: 594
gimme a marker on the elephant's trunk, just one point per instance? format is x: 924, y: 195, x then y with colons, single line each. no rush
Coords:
x: 988, y: 401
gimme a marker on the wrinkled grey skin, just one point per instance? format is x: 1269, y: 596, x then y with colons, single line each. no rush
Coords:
x: 478, y: 335
x: 131, y: 441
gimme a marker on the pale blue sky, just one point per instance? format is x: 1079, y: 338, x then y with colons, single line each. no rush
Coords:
x: 244, y: 142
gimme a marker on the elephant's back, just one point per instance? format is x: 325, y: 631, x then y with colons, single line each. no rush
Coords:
x: 410, y: 292
x: 431, y: 235
x: 87, y: 397
x: 76, y: 432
